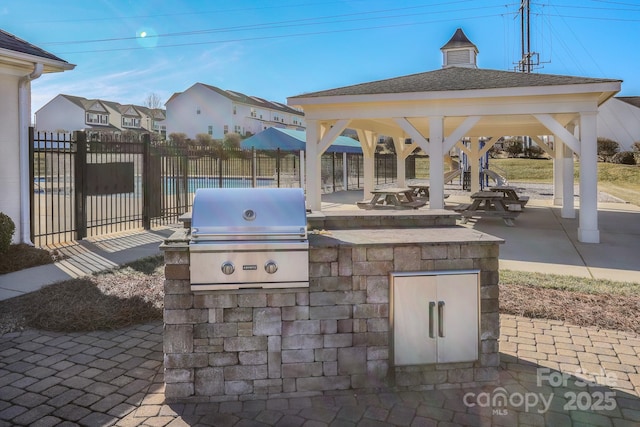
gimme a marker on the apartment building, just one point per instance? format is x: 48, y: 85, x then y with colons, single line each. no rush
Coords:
x: 207, y: 109
x: 67, y: 113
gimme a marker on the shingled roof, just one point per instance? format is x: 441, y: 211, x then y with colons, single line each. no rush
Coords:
x: 13, y: 43
x: 455, y: 79
x: 633, y: 100
x: 253, y: 100
x: 459, y: 40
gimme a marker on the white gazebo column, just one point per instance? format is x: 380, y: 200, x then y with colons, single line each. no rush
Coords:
x: 474, y: 164
x: 566, y: 158
x: 313, y: 181
x: 401, y: 172
x: 436, y: 162
x: 403, y: 151
x: 368, y: 143
x: 558, y: 163
x: 588, y: 223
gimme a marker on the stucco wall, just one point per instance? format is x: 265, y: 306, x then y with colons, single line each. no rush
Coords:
x: 9, y: 146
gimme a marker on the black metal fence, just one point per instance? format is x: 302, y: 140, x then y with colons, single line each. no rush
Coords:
x: 86, y: 188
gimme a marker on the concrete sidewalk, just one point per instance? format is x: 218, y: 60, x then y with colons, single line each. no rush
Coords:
x: 84, y: 258
x: 542, y: 241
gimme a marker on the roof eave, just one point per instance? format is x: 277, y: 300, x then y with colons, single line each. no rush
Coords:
x: 607, y: 89
x: 26, y: 60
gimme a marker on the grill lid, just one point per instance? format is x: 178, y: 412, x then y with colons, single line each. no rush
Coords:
x: 248, y: 214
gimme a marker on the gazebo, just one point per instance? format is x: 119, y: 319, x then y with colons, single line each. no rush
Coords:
x: 436, y: 110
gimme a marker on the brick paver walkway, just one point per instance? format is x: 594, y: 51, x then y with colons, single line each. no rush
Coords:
x: 552, y: 374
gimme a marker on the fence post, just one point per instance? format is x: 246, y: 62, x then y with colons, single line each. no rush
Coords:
x: 333, y: 171
x: 254, y: 167
x: 146, y: 181
x: 278, y: 166
x: 80, y: 200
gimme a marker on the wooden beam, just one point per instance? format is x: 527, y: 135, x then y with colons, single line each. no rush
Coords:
x: 415, y: 135
x: 560, y: 131
x: 331, y: 135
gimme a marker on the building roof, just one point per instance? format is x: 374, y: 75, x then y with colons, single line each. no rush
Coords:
x: 245, y: 99
x: 10, y: 42
x: 86, y: 105
x: 633, y: 100
x: 459, y: 41
x: 295, y: 140
x: 455, y: 79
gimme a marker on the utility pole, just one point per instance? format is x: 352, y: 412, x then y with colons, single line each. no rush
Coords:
x: 526, y: 63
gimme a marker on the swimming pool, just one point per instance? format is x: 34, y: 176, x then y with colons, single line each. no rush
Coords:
x: 194, y: 183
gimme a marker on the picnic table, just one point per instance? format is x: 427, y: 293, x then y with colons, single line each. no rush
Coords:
x: 488, y: 204
x: 510, y: 195
x: 392, y: 198
x: 420, y: 190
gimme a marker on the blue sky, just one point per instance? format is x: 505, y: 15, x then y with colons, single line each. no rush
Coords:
x: 276, y: 49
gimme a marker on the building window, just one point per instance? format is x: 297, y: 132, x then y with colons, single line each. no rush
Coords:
x: 236, y: 129
x: 197, y: 110
x: 210, y: 130
x: 234, y: 109
x: 100, y: 119
x: 130, y: 122
x: 226, y: 129
x: 253, y: 112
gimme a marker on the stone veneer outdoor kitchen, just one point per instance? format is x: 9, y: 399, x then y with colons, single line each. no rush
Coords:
x: 335, y: 334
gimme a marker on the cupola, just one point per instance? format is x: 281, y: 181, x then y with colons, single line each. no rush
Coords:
x: 459, y: 52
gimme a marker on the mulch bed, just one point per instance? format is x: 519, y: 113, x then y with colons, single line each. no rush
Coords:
x: 604, y: 311
x: 22, y: 256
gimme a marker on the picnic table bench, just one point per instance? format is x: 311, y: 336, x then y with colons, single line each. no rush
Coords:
x: 489, y: 204
x: 510, y: 195
x: 391, y: 198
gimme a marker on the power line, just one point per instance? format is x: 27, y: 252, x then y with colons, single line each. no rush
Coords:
x: 280, y: 24
x: 203, y: 12
x: 275, y: 36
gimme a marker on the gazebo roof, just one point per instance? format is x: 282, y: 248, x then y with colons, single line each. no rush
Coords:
x: 454, y: 79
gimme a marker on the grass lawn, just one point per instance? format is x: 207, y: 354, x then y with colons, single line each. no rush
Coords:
x: 622, y: 181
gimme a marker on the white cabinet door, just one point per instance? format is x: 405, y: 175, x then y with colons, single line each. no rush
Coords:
x: 412, y: 344
x: 434, y: 317
x: 458, y: 317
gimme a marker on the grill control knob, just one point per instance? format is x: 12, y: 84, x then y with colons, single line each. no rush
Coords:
x: 271, y: 267
x: 228, y: 268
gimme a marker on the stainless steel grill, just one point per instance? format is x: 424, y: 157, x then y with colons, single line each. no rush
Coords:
x: 249, y: 238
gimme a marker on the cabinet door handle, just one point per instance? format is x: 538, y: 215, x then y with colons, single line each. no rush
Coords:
x: 432, y: 305
x: 441, y: 318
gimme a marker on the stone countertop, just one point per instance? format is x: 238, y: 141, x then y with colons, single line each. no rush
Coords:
x: 179, y: 239
x: 396, y: 214
x: 377, y: 236
x: 398, y: 236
